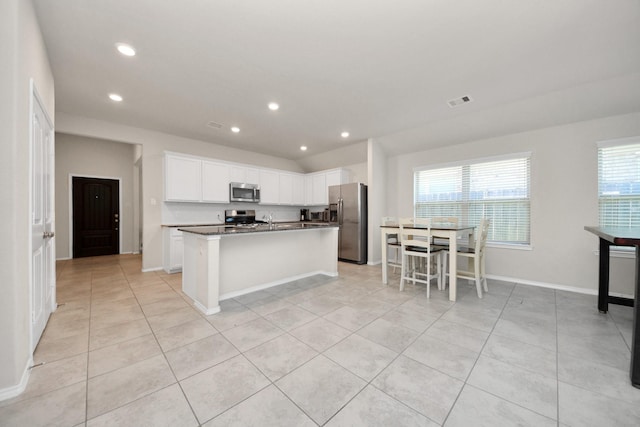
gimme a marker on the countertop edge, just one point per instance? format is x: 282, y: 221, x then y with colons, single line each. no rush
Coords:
x: 219, y: 224
x: 215, y: 231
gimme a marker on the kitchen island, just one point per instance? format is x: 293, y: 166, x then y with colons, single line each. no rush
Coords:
x: 226, y: 262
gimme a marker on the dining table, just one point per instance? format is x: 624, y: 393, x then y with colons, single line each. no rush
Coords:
x: 620, y: 236
x: 446, y: 231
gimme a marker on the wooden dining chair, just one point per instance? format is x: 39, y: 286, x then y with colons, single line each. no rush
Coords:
x: 417, y: 247
x: 393, y: 243
x: 476, y: 270
x: 449, y: 220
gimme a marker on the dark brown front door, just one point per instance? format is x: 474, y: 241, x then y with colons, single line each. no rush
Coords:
x: 96, y: 217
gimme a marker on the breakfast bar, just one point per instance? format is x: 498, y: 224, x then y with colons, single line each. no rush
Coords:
x: 225, y: 262
x: 609, y: 236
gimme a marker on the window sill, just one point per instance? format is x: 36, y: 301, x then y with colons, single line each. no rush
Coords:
x: 508, y: 246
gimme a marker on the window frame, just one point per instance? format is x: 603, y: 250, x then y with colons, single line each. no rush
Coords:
x: 616, y: 251
x: 465, y: 188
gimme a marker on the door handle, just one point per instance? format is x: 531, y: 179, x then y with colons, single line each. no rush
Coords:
x: 48, y: 234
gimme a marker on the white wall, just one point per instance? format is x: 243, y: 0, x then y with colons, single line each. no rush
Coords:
x: 358, y: 172
x: 154, y: 145
x: 377, y: 196
x: 353, y: 154
x: 23, y: 56
x: 563, y: 200
x: 83, y: 156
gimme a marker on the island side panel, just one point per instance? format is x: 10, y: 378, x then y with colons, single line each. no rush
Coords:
x: 255, y: 261
x: 201, y: 271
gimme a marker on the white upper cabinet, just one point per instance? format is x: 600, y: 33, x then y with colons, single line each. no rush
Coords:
x: 298, y: 190
x: 336, y: 177
x: 308, y: 189
x: 201, y: 180
x: 183, y: 179
x: 319, y: 195
x: 269, y: 187
x: 317, y: 185
x: 253, y: 175
x: 286, y: 189
x: 215, y: 182
x: 245, y: 174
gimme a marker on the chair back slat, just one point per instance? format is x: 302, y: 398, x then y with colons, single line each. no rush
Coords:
x: 388, y: 220
x: 416, y: 237
x: 481, y: 232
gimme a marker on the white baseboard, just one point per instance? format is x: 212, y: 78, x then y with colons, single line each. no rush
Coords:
x: 374, y: 262
x: 207, y: 312
x: 13, y: 391
x: 63, y: 259
x: 148, y: 270
x: 552, y: 286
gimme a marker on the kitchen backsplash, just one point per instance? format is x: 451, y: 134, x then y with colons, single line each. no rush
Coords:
x: 196, y: 213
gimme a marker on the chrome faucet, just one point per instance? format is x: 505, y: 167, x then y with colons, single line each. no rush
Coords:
x: 269, y: 219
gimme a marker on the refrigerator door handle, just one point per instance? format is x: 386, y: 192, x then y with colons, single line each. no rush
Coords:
x: 340, y: 211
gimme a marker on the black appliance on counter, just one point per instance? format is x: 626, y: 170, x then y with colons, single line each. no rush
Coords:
x: 304, y: 215
x: 241, y: 217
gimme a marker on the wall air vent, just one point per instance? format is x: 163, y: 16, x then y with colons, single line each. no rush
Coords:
x: 214, y: 125
x: 459, y: 101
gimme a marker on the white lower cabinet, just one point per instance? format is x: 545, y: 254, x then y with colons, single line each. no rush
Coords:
x: 173, y: 249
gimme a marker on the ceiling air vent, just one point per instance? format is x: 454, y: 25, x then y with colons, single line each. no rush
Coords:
x: 459, y: 101
x: 214, y: 125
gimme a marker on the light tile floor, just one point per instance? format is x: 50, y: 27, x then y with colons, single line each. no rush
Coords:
x: 127, y: 348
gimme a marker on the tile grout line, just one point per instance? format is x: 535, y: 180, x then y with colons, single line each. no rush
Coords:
x: 93, y: 288
x: 153, y: 332
x: 86, y: 404
x: 465, y: 383
x: 305, y: 363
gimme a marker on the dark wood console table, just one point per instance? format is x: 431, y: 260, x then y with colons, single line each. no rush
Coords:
x: 620, y: 237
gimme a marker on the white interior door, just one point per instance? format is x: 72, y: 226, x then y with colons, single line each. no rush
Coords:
x: 43, y: 268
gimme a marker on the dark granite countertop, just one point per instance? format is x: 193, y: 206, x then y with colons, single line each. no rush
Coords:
x: 257, y: 228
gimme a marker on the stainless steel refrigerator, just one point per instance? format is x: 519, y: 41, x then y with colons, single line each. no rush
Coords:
x: 348, y: 208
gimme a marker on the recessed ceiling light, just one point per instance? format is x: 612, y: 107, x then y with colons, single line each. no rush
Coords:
x: 125, y: 49
x: 273, y: 106
x: 345, y: 134
x: 115, y: 97
x: 303, y: 148
x: 235, y: 129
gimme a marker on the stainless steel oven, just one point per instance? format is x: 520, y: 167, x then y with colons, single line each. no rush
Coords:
x: 242, y: 192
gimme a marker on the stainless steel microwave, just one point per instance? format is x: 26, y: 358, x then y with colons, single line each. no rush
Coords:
x: 241, y: 192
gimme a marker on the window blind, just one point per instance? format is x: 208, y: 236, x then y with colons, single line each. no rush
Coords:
x: 497, y: 190
x: 619, y: 185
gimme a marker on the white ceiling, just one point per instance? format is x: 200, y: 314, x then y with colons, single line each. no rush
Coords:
x: 379, y: 69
